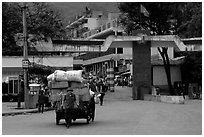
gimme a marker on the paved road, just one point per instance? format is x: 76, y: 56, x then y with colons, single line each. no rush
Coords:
x: 119, y: 116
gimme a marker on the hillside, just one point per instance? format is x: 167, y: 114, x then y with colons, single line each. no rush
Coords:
x: 71, y: 9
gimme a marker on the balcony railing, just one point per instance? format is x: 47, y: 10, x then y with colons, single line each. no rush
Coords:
x: 112, y: 23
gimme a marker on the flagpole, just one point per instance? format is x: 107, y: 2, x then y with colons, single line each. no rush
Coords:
x: 143, y: 11
x: 140, y: 16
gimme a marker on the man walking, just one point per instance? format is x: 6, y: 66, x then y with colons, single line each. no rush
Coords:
x: 41, y: 101
x: 69, y: 100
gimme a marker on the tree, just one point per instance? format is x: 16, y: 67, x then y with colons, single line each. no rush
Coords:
x: 191, y: 21
x: 42, y: 21
x: 191, y: 69
x: 163, y: 19
x: 11, y: 24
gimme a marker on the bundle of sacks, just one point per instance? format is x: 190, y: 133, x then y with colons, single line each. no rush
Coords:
x: 58, y: 82
x: 72, y: 75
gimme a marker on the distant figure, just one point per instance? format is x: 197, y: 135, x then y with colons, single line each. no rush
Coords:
x: 92, y: 105
x: 92, y: 86
x: 123, y: 82
x: 102, y: 93
x: 69, y: 100
x: 99, y: 85
x: 41, y: 102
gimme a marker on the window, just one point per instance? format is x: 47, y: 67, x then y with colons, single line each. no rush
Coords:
x: 4, y: 88
x: 108, y: 25
x: 119, y: 33
x: 13, y: 85
x: 119, y: 50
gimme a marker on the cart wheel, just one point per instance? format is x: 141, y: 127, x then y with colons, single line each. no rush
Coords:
x: 57, y: 121
x: 92, y: 116
x: 88, y: 119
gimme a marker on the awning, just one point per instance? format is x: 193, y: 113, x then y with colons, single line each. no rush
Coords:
x: 122, y: 72
x: 5, y: 79
x: 126, y: 73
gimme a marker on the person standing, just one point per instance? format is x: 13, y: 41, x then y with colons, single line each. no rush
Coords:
x: 41, y: 102
x: 102, y: 92
x: 92, y: 86
x: 92, y: 105
x: 69, y: 100
x: 98, y: 85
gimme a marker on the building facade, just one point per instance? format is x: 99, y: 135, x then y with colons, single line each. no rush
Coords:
x: 93, y: 25
x: 121, y: 58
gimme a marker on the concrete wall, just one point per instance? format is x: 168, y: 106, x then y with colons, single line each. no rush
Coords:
x: 159, y: 75
x: 92, y: 23
x: 127, y: 51
x: 141, y: 70
x: 154, y: 51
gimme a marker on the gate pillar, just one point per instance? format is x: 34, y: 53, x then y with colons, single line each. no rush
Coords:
x: 141, y: 52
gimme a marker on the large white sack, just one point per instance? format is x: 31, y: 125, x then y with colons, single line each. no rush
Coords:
x: 50, y: 77
x: 60, y: 75
x: 74, y: 75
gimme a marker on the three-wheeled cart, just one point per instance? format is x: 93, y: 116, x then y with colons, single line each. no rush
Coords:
x: 80, y: 112
x: 84, y: 106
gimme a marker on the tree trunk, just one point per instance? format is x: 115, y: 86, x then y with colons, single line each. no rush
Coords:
x: 166, y: 62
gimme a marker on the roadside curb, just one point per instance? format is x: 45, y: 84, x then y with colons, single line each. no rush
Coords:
x: 23, y: 112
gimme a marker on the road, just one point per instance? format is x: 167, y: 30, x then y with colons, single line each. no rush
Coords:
x: 119, y: 116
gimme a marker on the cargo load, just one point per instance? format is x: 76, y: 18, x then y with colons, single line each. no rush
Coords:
x: 58, y: 84
x: 71, y: 75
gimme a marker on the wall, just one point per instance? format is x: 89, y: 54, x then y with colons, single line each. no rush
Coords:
x: 112, y: 16
x: 92, y: 23
x: 159, y: 75
x: 154, y: 51
x: 127, y: 51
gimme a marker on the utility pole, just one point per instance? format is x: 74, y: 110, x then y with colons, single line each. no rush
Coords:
x: 25, y: 61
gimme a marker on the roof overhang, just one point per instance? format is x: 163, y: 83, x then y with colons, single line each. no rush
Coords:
x: 156, y: 41
x: 192, y: 41
x: 105, y: 33
x: 78, y: 21
x: 100, y: 45
x: 79, y: 42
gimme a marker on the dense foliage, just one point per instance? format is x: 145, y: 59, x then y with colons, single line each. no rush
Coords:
x: 11, y: 25
x: 42, y: 21
x: 183, y: 19
x: 191, y: 69
x: 191, y: 23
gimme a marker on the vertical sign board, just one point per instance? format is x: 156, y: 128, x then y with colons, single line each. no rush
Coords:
x: 25, y: 63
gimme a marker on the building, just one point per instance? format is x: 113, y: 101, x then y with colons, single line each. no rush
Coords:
x: 120, y: 58
x: 12, y: 70
x: 98, y: 26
